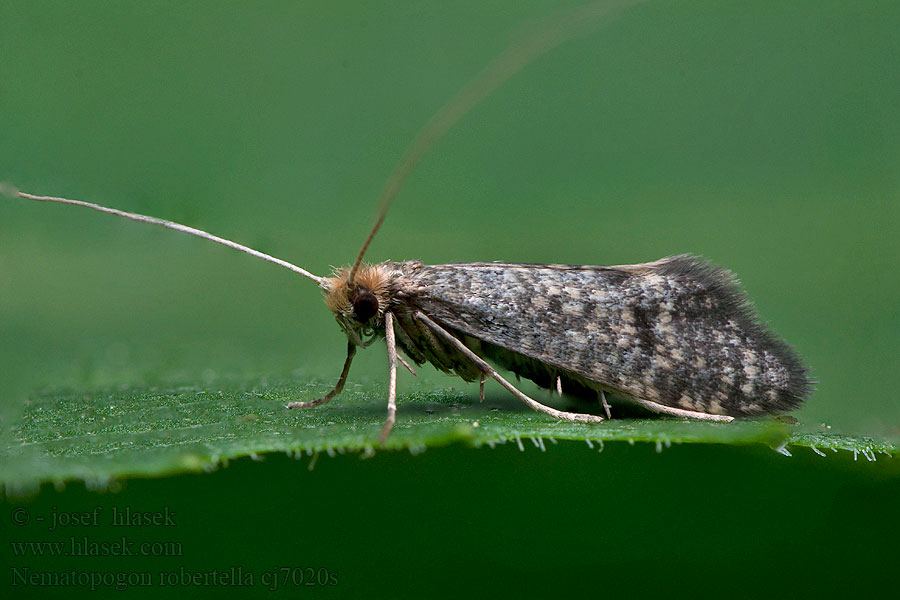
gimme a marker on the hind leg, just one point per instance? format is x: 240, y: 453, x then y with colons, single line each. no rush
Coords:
x: 490, y: 372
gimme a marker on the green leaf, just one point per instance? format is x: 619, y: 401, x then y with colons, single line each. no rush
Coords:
x: 100, y: 436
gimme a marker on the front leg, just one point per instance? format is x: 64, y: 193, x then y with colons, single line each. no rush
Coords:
x: 351, y: 352
x: 392, y: 376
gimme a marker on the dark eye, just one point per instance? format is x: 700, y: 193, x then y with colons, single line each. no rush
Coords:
x: 365, y: 305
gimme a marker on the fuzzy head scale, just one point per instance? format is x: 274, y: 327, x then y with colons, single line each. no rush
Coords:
x: 360, y: 305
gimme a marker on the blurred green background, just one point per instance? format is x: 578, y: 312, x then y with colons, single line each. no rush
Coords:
x: 763, y: 135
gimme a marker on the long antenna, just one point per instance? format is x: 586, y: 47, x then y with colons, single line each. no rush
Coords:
x: 542, y: 37
x: 178, y: 227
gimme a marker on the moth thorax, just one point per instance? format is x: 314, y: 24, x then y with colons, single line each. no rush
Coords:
x: 364, y: 301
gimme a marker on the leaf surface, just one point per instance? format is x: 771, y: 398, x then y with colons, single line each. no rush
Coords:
x: 101, y: 436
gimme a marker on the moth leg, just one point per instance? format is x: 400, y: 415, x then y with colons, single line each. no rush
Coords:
x: 407, y: 365
x: 481, y: 389
x: 605, y: 404
x: 490, y: 372
x: 559, y: 386
x: 392, y: 377
x: 351, y: 351
x: 436, y: 348
x: 680, y: 412
x: 354, y: 338
x: 404, y: 339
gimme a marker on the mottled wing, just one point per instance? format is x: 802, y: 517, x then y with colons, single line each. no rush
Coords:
x: 678, y: 331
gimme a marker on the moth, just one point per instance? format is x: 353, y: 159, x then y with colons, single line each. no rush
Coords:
x: 676, y: 336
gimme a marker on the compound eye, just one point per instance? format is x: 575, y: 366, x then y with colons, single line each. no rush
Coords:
x: 365, y: 305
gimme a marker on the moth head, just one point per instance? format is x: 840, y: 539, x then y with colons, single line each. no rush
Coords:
x: 358, y: 306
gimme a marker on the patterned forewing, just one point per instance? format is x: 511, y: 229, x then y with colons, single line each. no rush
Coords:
x: 678, y: 331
